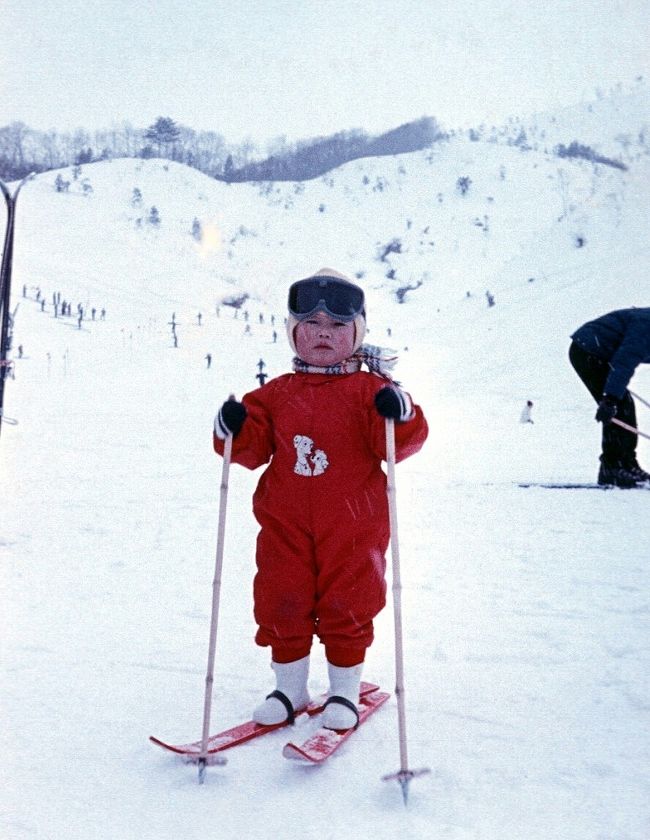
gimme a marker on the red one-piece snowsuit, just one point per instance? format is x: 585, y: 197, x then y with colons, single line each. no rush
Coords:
x: 322, y: 508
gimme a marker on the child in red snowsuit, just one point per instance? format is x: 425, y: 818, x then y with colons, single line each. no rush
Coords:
x: 321, y: 503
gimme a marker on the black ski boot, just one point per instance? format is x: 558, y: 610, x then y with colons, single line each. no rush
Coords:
x: 633, y: 467
x: 618, y: 476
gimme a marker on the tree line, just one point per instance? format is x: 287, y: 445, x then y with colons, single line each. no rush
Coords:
x: 24, y: 150
x: 311, y: 158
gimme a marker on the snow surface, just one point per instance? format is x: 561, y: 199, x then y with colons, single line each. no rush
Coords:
x: 526, y: 611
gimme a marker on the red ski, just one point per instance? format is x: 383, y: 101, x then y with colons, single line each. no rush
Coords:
x: 325, y: 741
x: 245, y: 731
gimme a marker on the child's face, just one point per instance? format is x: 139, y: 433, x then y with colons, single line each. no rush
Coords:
x: 322, y: 341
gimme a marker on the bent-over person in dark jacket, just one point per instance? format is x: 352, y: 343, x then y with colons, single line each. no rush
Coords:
x: 605, y: 353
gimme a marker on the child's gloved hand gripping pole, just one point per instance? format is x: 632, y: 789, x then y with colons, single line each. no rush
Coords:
x: 404, y: 775
x: 216, y: 591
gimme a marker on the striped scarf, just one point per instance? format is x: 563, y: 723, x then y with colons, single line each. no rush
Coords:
x: 379, y: 360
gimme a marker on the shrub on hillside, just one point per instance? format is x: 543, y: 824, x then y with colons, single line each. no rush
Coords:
x: 578, y: 150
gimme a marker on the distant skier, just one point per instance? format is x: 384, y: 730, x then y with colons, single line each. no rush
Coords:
x: 321, y: 503
x: 526, y: 413
x: 261, y: 377
x: 605, y: 353
x: 208, y: 359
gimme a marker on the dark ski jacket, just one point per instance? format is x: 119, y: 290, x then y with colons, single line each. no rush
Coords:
x: 621, y: 338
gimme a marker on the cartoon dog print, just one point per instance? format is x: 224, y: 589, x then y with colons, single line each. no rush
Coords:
x: 304, y: 446
x: 320, y: 462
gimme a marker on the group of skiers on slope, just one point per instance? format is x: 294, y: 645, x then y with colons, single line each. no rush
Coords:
x: 321, y: 503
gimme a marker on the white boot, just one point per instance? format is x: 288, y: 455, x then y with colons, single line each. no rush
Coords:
x: 291, y: 683
x: 344, y: 682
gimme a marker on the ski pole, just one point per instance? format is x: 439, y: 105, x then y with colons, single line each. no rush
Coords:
x: 639, y: 398
x: 404, y: 775
x: 629, y: 428
x: 214, y: 621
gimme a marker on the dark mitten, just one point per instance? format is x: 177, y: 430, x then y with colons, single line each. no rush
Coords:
x: 230, y: 418
x: 606, y: 409
x: 393, y: 403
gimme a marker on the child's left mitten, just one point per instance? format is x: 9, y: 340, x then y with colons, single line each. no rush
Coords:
x: 230, y: 419
x: 394, y: 403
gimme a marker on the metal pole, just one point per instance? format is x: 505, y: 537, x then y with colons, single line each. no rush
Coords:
x: 5, y: 292
x: 214, y: 621
x: 5, y: 283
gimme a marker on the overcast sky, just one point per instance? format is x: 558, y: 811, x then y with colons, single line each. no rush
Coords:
x: 304, y: 68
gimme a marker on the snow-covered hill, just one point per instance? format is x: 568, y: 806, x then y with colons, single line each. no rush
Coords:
x: 525, y: 610
x: 257, y: 236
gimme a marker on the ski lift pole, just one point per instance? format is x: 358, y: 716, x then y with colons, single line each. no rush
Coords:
x: 5, y: 291
x: 629, y: 428
x: 404, y: 775
x: 5, y: 283
x: 214, y: 621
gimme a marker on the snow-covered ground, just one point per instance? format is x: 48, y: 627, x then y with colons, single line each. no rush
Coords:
x: 526, y: 611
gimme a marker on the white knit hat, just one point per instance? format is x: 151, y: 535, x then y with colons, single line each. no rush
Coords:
x: 359, y: 321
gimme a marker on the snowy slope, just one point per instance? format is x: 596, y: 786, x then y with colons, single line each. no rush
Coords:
x: 526, y: 611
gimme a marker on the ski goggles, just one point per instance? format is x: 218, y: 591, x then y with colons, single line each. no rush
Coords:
x: 331, y: 295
